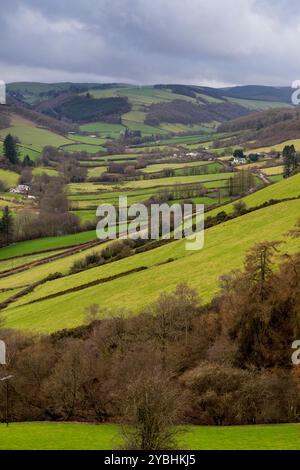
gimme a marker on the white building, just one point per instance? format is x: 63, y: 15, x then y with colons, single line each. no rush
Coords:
x: 20, y: 189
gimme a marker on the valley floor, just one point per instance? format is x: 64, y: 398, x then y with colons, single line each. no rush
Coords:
x: 74, y: 436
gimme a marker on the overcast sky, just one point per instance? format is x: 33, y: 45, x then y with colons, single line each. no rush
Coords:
x: 209, y: 42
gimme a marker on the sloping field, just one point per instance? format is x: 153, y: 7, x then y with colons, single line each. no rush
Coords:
x: 40, y: 170
x: 103, y: 128
x: 33, y: 137
x: 287, y: 188
x: 96, y: 172
x: 225, y: 247
x: 9, y: 178
x: 47, y: 243
x: 279, y: 147
x: 274, y: 170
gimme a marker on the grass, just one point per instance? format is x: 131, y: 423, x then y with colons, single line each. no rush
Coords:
x: 87, y: 139
x: 215, y: 179
x: 47, y: 243
x: 75, y: 436
x: 6, y: 264
x: 79, y: 147
x: 86, y: 215
x: 33, y: 137
x: 23, y: 151
x: 274, y: 170
x: 163, y: 166
x: 286, y: 188
x: 275, y: 178
x: 103, y: 128
x: 96, y: 172
x: 279, y: 147
x: 9, y: 178
x: 144, y: 128
x: 41, y: 170
x: 225, y: 248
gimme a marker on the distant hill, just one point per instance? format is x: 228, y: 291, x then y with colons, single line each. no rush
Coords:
x: 255, y: 92
x: 265, y: 128
x: 149, y: 110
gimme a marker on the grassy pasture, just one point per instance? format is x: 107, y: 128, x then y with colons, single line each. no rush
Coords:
x: 6, y: 264
x: 274, y: 170
x: 75, y: 436
x: 177, y: 180
x: 96, y: 172
x: 287, y: 188
x: 87, y: 139
x: 79, y: 147
x: 173, y: 166
x: 86, y: 215
x: 103, y: 128
x: 9, y: 178
x: 279, y: 147
x: 47, y: 243
x: 41, y: 170
x: 83, y: 188
x: 23, y: 151
x: 275, y: 178
x: 33, y: 137
x: 200, y: 268
x: 144, y: 128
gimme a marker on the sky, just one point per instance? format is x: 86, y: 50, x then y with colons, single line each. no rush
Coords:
x: 200, y: 42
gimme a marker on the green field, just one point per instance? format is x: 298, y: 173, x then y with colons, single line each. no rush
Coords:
x: 287, y: 188
x: 103, y: 128
x: 71, y: 436
x: 173, y: 166
x: 87, y: 139
x: 275, y: 178
x: 47, y: 243
x: 12, y: 263
x: 274, y: 170
x: 96, y: 172
x: 279, y: 147
x: 41, y: 170
x: 9, y: 178
x: 33, y: 137
x: 79, y: 147
x: 81, y: 188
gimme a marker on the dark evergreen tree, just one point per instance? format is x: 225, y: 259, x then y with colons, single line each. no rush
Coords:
x: 238, y: 153
x: 27, y: 161
x: 6, y: 227
x: 290, y: 160
x: 10, y: 149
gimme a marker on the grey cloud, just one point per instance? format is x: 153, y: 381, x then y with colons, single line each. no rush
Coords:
x: 151, y: 41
